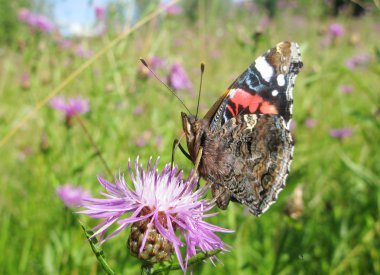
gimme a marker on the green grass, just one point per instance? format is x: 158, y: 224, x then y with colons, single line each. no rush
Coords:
x: 338, y: 232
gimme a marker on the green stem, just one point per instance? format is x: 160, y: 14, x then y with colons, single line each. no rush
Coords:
x: 280, y: 248
x: 93, y: 143
x: 98, y: 251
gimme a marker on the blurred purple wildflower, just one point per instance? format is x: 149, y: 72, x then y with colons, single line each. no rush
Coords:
x: 359, y: 60
x: 44, y: 24
x: 64, y: 43
x: 138, y: 110
x: 346, y: 89
x: 283, y: 4
x: 263, y: 24
x: 178, y: 78
x: 100, y: 13
x: 336, y: 30
x: 341, y: 133
x: 139, y: 141
x: 310, y: 122
x: 165, y: 202
x: 71, y: 107
x: 159, y: 142
x: 24, y: 15
x: 37, y: 22
x: 83, y: 52
x: 172, y: 9
x: 25, y: 81
x: 154, y: 63
x: 72, y: 196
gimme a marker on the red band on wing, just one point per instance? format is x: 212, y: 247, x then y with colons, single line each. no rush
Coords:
x: 252, y: 102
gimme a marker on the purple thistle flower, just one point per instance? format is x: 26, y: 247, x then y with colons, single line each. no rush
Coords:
x: 336, y: 30
x: 341, y: 133
x: 167, y: 205
x: 65, y: 43
x: 71, y: 107
x: 138, y: 110
x: 24, y: 15
x: 38, y: 22
x: 155, y: 63
x: 100, y: 13
x: 359, y: 60
x: 82, y: 52
x: 310, y: 123
x: 42, y: 23
x: 72, y: 196
x: 172, y: 9
x: 346, y: 89
x: 178, y: 78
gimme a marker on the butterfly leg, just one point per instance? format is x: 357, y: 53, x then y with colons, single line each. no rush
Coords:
x: 176, y: 144
x: 221, y: 195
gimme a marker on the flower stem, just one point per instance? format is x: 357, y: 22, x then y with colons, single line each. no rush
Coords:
x: 93, y: 144
x: 98, y: 251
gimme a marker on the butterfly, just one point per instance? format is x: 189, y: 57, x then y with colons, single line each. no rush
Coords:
x: 243, y: 146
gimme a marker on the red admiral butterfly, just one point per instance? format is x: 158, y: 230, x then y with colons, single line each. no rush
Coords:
x: 243, y: 145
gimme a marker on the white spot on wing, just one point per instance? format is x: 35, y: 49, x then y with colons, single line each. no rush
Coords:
x: 274, y: 93
x: 280, y: 80
x: 264, y: 68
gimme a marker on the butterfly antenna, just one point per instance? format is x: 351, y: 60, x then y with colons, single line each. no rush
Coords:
x: 162, y: 82
x: 200, y: 88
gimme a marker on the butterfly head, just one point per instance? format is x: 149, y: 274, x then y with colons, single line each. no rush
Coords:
x: 194, y: 131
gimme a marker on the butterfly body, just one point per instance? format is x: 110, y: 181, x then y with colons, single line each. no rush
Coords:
x: 246, y: 144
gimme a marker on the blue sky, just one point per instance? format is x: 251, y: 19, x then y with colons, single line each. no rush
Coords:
x: 75, y: 15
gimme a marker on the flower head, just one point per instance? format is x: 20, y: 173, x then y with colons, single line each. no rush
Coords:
x: 178, y: 78
x: 346, y: 89
x: 65, y: 43
x: 336, y: 30
x: 35, y: 21
x: 173, y: 9
x: 163, y: 206
x: 341, y: 133
x: 310, y: 122
x: 72, y: 196
x: 24, y: 15
x: 83, y: 52
x: 359, y: 60
x: 155, y: 63
x: 100, y: 13
x: 71, y: 107
x: 42, y: 23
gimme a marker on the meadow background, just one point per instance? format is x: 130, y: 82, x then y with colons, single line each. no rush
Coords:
x: 326, y: 221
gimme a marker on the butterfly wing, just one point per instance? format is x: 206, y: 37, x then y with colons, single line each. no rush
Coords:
x: 266, y: 87
x: 252, y: 154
